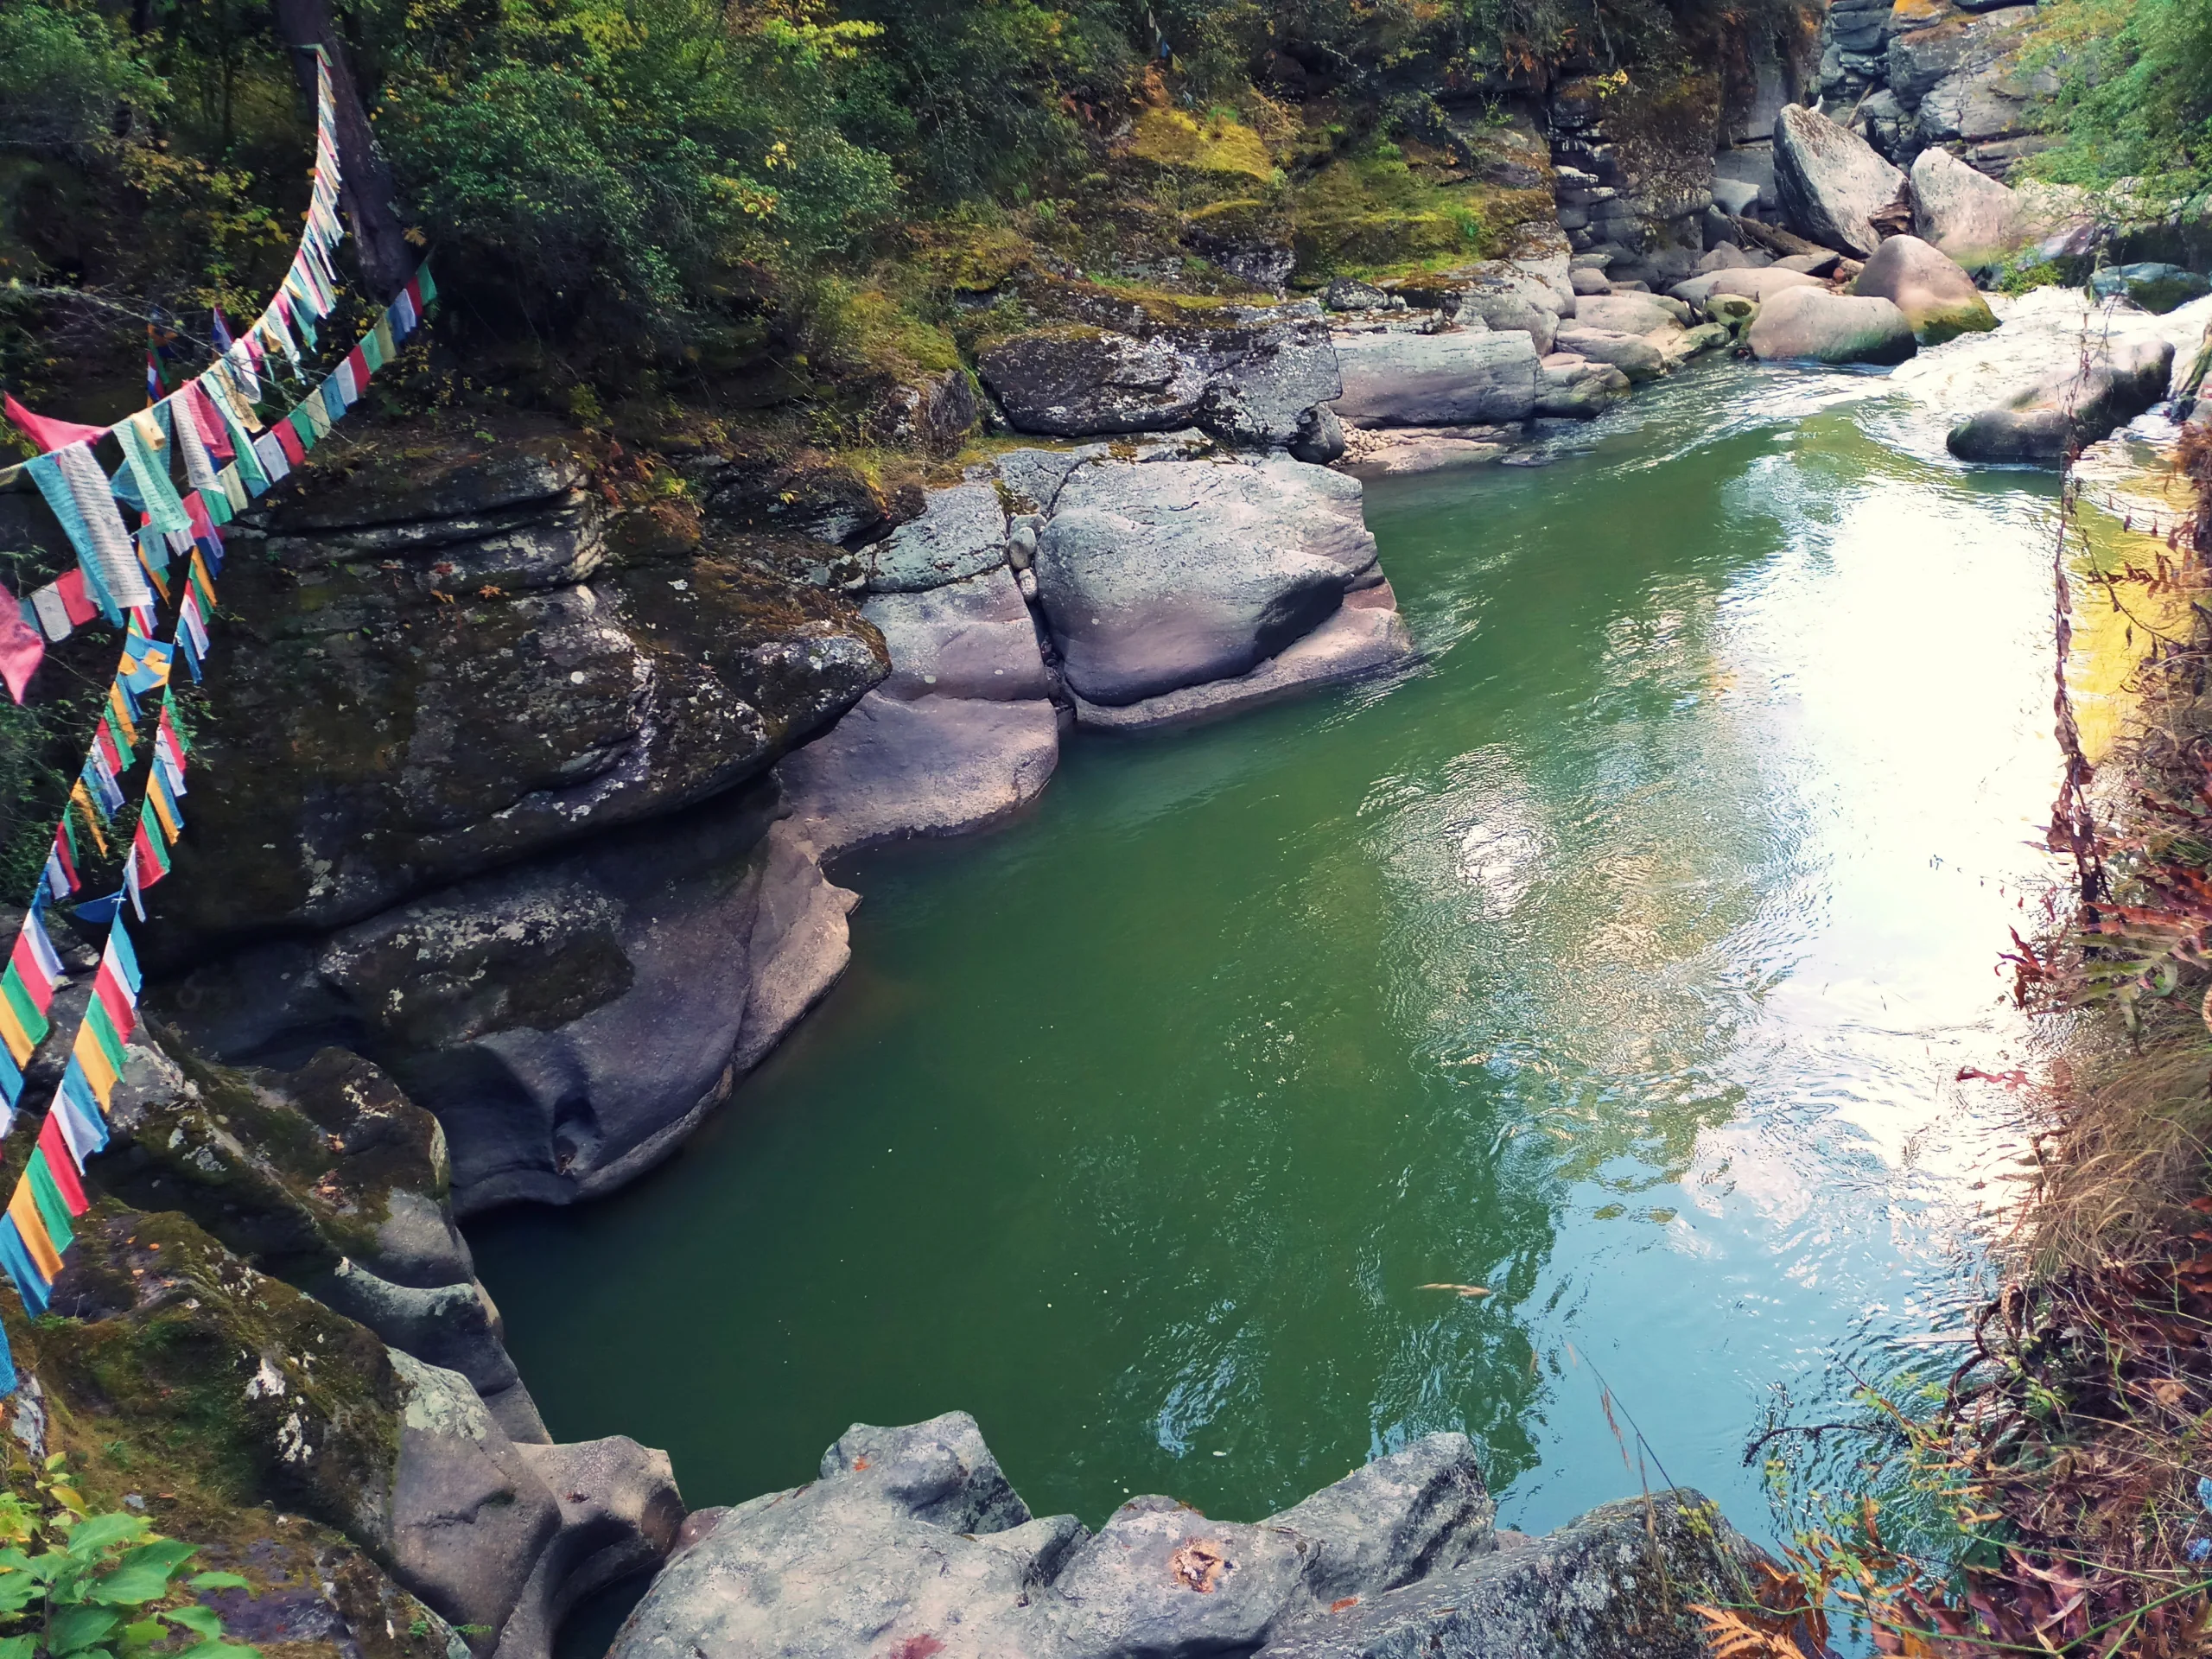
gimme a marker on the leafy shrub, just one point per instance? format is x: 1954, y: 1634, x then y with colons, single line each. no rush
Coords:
x: 2134, y: 100
x: 66, y: 74
x: 71, y: 1581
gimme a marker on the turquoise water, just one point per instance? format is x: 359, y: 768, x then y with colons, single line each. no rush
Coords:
x: 1619, y: 961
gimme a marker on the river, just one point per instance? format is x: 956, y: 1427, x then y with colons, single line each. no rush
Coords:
x: 1620, y: 961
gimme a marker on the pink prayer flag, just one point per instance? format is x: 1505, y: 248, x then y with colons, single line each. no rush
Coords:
x: 21, y: 650
x: 207, y: 421
x: 50, y: 435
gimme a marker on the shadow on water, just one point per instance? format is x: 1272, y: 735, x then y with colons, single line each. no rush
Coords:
x: 1614, y: 961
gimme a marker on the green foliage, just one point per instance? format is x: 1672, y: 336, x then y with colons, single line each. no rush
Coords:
x: 633, y: 153
x: 2135, y: 95
x: 69, y: 80
x: 79, y: 1586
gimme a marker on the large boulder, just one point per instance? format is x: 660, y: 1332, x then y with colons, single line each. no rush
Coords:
x: 912, y: 1543
x: 1831, y: 182
x: 1814, y: 325
x: 460, y: 658
x: 1157, y: 576
x: 1248, y: 380
x: 1577, y: 389
x: 1937, y: 297
x: 1632, y: 313
x: 2069, y: 407
x: 1463, y: 377
x: 1530, y: 295
x: 569, y: 1019
x: 1633, y: 355
x: 910, y: 1538
x: 1965, y: 214
x: 961, y: 735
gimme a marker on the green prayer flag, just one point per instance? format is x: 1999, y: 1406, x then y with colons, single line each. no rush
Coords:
x: 53, y: 1208
x: 19, y: 998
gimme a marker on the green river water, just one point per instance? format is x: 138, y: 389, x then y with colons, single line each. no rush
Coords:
x: 1620, y: 960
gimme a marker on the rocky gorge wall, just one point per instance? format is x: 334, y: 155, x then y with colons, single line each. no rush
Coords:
x: 526, y: 766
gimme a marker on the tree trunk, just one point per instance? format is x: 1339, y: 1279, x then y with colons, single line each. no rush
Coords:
x: 364, y: 183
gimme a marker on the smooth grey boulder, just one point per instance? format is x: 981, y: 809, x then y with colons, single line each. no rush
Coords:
x: 1735, y: 197
x: 1747, y: 285
x: 1614, y: 1584
x: 2070, y: 407
x: 1727, y: 257
x: 968, y: 638
x: 1528, y: 295
x: 452, y: 1326
x: 896, y: 768
x: 1631, y: 314
x: 1938, y: 298
x: 960, y: 533
x: 1157, y: 576
x: 1574, y: 387
x: 912, y: 1542
x: 1366, y: 637
x: 1416, y: 1512
x: 1459, y: 379
x: 1588, y: 281
x: 1320, y: 438
x: 1633, y: 355
x: 939, y: 1472
x: 1164, y: 1581
x: 1812, y: 324
x: 1247, y: 381
x: 1831, y: 182
x: 569, y: 1021
x: 1968, y: 215
x: 620, y: 1513
x: 961, y: 735
x: 470, y: 1517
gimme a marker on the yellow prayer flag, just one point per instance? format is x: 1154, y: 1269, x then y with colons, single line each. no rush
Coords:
x: 12, y: 1032
x: 22, y: 1210
x: 90, y: 1055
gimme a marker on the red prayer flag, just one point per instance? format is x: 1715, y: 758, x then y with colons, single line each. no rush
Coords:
x: 116, y: 1000
x: 212, y: 433
x: 360, y: 365
x: 49, y: 433
x: 289, y: 441
x: 61, y: 1163
x: 23, y: 647
x: 70, y: 584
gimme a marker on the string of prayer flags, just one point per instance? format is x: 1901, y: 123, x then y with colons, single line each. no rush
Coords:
x: 36, y: 1231
x: 26, y: 987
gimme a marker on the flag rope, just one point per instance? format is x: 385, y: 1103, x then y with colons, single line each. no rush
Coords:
x: 177, y: 548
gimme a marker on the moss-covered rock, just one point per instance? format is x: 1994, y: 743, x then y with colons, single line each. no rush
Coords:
x: 431, y: 665
x: 225, y: 1390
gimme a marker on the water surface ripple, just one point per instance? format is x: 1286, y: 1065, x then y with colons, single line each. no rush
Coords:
x: 1618, y: 960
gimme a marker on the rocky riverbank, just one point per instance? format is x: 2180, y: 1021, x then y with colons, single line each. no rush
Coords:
x: 530, y: 752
